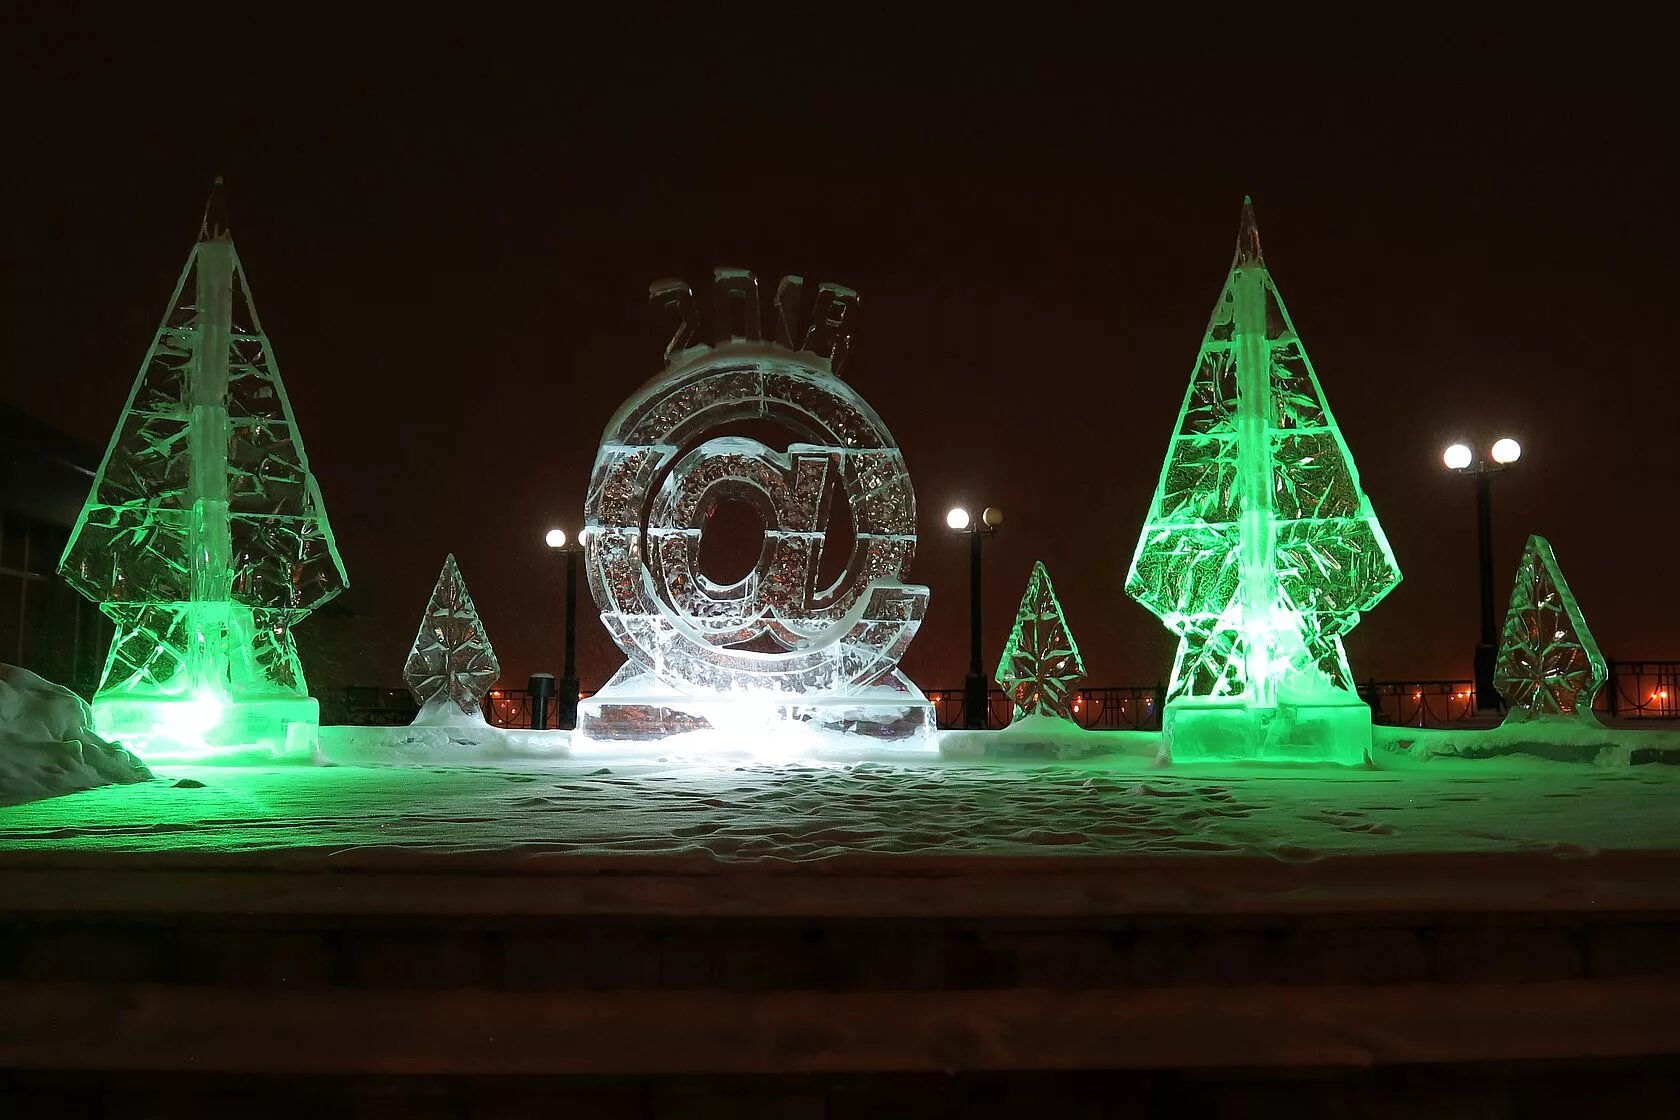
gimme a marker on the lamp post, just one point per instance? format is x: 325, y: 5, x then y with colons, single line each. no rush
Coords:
x: 567, y: 699
x: 1461, y: 459
x: 974, y: 685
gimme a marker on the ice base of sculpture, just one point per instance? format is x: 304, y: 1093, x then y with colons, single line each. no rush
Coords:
x: 637, y: 706
x: 1331, y: 728
x: 205, y: 727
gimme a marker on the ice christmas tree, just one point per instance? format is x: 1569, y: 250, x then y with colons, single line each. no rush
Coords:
x: 1549, y: 664
x: 452, y: 665
x: 1041, y: 663
x: 1260, y: 549
x: 204, y: 538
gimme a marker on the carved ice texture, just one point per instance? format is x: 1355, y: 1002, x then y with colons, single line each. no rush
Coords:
x: 204, y: 539
x: 451, y: 665
x: 1260, y: 549
x: 1549, y: 664
x: 779, y: 642
x: 1041, y: 663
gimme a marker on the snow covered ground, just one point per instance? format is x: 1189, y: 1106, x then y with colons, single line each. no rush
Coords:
x: 460, y: 785
x: 1115, y: 804
x: 46, y: 744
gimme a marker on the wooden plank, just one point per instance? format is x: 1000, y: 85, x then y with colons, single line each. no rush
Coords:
x: 470, y: 1032
x: 1045, y: 887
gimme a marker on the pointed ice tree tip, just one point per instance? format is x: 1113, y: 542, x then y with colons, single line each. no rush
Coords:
x: 1248, y: 236
x: 215, y: 226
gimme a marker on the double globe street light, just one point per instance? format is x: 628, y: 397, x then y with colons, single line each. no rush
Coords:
x: 1460, y: 458
x: 975, y: 687
x: 567, y: 702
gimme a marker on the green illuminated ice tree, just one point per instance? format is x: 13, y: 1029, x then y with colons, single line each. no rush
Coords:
x: 204, y: 539
x: 1260, y: 549
x: 1549, y: 664
x: 1040, y: 664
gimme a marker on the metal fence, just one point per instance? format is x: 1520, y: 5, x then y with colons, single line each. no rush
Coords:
x: 1096, y: 709
x: 1635, y: 690
x: 1642, y: 690
x: 1420, y: 703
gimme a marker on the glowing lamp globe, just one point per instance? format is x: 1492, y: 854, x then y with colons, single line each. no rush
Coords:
x: 957, y: 518
x: 1457, y: 457
x: 1506, y: 450
x: 992, y: 517
x: 555, y: 538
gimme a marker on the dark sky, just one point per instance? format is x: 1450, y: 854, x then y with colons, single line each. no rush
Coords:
x: 449, y: 232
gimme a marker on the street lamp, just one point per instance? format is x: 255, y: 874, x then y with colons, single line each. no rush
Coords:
x: 1461, y: 459
x: 567, y: 700
x: 974, y: 685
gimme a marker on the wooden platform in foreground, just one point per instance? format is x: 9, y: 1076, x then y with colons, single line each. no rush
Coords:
x: 400, y: 983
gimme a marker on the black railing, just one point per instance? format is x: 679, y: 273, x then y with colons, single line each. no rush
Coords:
x: 1642, y: 690
x: 373, y: 707
x: 1635, y: 690
x: 511, y: 707
x: 1096, y: 709
x: 1420, y: 703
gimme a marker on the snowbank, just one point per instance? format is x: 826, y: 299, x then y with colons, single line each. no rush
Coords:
x: 1540, y: 739
x: 439, y: 739
x: 46, y: 745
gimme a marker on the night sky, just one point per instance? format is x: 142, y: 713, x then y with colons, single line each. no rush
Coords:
x: 449, y: 233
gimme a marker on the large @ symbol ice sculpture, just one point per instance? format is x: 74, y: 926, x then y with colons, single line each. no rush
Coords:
x: 1260, y: 550
x: 781, y: 642
x: 204, y: 539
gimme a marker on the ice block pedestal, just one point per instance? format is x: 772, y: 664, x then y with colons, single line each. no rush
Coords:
x: 1318, y: 729
x: 637, y: 706
x: 206, y: 725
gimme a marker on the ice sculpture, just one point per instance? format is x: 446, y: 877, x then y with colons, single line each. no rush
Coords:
x: 1260, y: 549
x: 451, y: 666
x: 204, y: 538
x: 1548, y: 663
x: 781, y: 643
x: 1041, y: 662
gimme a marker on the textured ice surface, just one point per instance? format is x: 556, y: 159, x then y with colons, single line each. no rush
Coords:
x: 204, y: 538
x: 1040, y: 664
x: 451, y: 662
x: 1549, y: 664
x: 47, y: 744
x: 668, y: 460
x: 1260, y: 549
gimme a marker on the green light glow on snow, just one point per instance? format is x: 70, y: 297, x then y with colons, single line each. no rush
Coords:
x: 1260, y: 549
x: 204, y: 538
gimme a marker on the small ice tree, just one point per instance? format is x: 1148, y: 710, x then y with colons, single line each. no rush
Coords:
x: 1041, y: 663
x: 1549, y: 664
x: 452, y: 660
